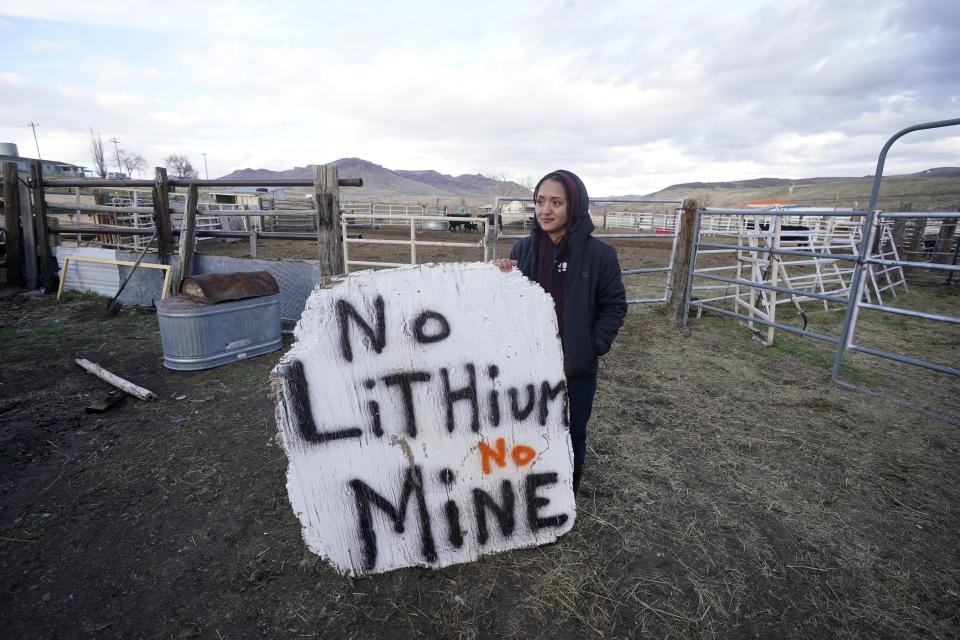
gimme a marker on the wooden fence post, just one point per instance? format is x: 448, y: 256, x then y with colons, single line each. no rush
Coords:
x: 942, y: 253
x: 914, y: 251
x: 916, y: 240
x: 898, y: 233
x: 326, y: 202
x: 188, y: 236
x: 680, y: 273
x: 161, y: 216
x: 28, y: 235
x: 11, y: 222
x: 48, y: 275
x: 899, y: 230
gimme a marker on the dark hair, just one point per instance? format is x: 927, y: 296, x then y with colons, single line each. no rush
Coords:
x: 556, y: 177
x: 573, y: 188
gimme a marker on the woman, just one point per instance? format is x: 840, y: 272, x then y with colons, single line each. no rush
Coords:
x: 582, y: 275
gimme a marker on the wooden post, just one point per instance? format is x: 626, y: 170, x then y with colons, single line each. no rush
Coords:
x: 11, y: 222
x: 48, y: 274
x: 54, y: 230
x: 680, y: 273
x: 326, y: 201
x: 188, y: 237
x: 914, y: 251
x: 898, y: 232
x: 161, y: 216
x: 29, y: 238
x: 942, y: 253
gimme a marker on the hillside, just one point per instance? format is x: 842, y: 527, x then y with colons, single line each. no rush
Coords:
x: 380, y: 182
x: 935, y: 189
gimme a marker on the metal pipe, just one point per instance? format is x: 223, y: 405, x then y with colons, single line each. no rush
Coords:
x: 758, y: 319
x: 366, y: 263
x: 203, y: 233
x: 766, y: 212
x: 634, y: 235
x: 924, y: 214
x: 911, y: 313
x: 399, y: 216
x: 915, y: 265
x: 770, y: 287
x: 905, y: 359
x: 188, y: 182
x: 875, y: 190
x: 628, y: 272
x: 856, y: 292
x: 595, y: 200
x: 849, y: 257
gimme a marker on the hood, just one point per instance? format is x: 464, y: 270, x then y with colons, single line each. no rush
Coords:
x: 579, y: 224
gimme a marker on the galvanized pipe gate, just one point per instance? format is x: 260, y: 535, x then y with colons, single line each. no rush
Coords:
x: 860, y: 260
x: 670, y: 236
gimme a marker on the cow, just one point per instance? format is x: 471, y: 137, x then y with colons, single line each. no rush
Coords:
x: 802, y: 238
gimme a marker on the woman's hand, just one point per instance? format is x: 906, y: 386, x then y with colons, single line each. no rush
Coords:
x: 504, y: 264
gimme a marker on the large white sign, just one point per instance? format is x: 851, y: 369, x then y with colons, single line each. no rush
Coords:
x: 424, y: 414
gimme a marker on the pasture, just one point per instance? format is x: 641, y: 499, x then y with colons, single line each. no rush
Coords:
x: 731, y: 491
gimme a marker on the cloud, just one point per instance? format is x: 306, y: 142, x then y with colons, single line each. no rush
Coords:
x: 219, y: 17
x: 633, y: 95
x: 46, y: 45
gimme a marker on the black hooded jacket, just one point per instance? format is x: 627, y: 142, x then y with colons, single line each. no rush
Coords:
x: 595, y: 302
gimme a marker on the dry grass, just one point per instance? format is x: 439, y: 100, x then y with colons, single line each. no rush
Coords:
x: 731, y: 490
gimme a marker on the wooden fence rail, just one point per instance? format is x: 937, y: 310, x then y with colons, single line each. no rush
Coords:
x: 30, y: 261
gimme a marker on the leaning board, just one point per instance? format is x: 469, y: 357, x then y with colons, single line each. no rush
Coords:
x: 424, y: 413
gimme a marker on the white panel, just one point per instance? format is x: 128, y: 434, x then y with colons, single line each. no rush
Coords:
x: 382, y: 479
x: 86, y: 276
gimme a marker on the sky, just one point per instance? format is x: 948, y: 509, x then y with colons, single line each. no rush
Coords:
x: 632, y: 96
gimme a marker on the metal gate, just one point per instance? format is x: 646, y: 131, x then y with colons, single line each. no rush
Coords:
x: 863, y: 258
x: 663, y: 227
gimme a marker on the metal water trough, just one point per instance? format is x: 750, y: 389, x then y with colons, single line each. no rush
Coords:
x: 219, y: 318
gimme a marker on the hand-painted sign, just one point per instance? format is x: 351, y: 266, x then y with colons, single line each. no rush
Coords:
x: 424, y: 414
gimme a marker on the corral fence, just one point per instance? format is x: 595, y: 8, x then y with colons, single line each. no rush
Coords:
x: 607, y: 214
x: 860, y: 271
x: 29, y: 219
x: 374, y: 215
x: 415, y: 223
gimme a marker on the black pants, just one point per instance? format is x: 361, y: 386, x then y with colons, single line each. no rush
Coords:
x: 580, y: 391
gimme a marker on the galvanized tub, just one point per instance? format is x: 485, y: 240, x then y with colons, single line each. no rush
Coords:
x: 200, y: 332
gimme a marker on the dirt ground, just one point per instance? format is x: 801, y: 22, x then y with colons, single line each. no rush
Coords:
x: 731, y: 491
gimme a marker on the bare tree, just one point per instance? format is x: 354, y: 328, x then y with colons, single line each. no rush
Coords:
x: 97, y: 155
x: 180, y: 164
x: 130, y: 162
x: 500, y: 186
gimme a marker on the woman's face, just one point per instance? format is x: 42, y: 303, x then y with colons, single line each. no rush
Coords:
x: 551, y: 208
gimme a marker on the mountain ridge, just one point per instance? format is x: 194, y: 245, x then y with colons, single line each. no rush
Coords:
x: 381, y: 182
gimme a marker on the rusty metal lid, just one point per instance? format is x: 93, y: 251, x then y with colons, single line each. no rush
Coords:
x: 212, y: 288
